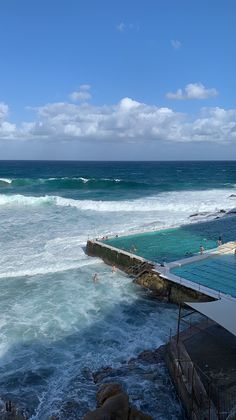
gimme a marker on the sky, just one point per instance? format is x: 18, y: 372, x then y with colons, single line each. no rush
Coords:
x: 117, y: 79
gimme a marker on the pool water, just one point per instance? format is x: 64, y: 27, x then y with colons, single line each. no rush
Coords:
x: 174, y: 244
x: 217, y: 272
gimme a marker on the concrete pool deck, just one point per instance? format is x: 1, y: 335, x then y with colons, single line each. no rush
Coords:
x: 224, y: 249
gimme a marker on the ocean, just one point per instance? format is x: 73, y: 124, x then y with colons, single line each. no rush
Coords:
x: 57, y: 327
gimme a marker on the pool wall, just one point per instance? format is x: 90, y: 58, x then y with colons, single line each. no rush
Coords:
x: 149, y: 277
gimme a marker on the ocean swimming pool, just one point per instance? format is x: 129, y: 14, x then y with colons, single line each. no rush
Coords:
x: 174, y: 244
x: 217, y: 272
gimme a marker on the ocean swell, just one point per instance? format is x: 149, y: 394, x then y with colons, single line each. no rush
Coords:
x: 73, y: 183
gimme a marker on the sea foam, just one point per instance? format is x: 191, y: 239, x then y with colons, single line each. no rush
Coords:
x: 183, y: 201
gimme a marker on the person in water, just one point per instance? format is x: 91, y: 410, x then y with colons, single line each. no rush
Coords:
x: 113, y: 269
x: 201, y: 249
x: 133, y: 248
x: 95, y: 278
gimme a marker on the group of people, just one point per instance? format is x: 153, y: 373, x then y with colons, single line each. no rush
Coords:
x: 96, y: 278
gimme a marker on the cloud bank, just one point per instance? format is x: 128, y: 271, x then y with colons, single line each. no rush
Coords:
x: 193, y: 91
x: 128, y: 121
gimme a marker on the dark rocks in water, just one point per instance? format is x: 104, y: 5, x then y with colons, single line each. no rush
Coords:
x: 152, y: 357
x: 113, y: 404
x: 10, y: 412
x: 155, y: 356
x: 101, y: 374
x: 206, y: 214
x: 197, y: 214
x: 232, y: 211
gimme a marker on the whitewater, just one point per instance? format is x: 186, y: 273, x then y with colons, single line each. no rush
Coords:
x: 57, y: 328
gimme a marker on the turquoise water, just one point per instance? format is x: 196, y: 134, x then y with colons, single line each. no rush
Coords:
x: 218, y: 273
x: 174, y: 244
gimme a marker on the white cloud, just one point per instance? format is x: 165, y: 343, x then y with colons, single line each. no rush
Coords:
x: 83, y: 94
x: 192, y: 91
x: 124, y: 27
x: 127, y: 121
x: 3, y: 111
x: 7, y: 130
x: 121, y: 27
x: 176, y: 44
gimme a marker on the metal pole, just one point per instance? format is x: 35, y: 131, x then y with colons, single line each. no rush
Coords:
x: 178, y: 328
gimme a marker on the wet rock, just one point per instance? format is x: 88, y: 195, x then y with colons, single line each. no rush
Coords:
x: 70, y: 408
x: 135, y: 414
x: 155, y: 356
x: 113, y: 404
x: 198, y: 214
x: 101, y: 374
x: 232, y: 211
x: 114, y: 408
x: 106, y: 391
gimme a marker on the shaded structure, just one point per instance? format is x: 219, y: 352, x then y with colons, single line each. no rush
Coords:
x: 202, y: 361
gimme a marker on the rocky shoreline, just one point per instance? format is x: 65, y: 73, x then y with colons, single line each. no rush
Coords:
x: 135, y: 390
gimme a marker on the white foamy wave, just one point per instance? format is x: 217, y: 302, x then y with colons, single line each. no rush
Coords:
x: 5, y: 180
x: 184, y: 201
x: 56, y: 268
x: 23, y: 200
x: 85, y: 180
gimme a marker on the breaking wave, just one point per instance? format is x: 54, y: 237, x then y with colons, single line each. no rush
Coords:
x: 72, y: 183
x: 5, y: 181
x: 183, y: 201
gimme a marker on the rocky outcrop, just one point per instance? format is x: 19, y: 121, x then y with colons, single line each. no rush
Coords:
x: 113, y: 404
x: 8, y: 411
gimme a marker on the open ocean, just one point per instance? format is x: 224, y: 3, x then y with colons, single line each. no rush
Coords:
x: 56, y: 326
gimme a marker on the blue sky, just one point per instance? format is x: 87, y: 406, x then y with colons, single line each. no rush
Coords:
x: 134, y: 79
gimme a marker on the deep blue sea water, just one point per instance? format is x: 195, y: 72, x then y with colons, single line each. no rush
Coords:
x: 56, y: 326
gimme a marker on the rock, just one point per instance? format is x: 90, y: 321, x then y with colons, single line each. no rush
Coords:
x: 114, y: 408
x: 155, y: 356
x: 135, y: 414
x: 113, y: 404
x: 198, y: 214
x: 107, y: 391
x: 101, y: 374
x: 232, y: 211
